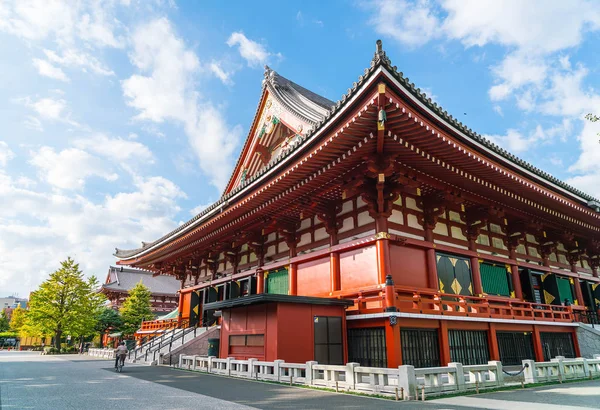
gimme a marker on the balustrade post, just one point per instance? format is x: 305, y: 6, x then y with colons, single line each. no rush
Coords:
x: 458, y: 378
x: 350, y: 375
x: 407, y: 380
x: 309, y: 372
x: 276, y: 369
x: 497, y: 375
x: 586, y: 366
x: 530, y: 373
x: 250, y: 373
x: 561, y: 366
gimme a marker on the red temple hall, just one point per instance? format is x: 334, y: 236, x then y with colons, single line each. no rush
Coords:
x: 378, y: 229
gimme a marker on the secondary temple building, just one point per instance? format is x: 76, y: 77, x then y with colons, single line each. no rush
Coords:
x: 379, y: 229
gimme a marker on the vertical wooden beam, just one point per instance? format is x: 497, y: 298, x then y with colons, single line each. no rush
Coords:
x: 180, y: 312
x: 444, y: 343
x: 393, y: 345
x: 381, y: 118
x: 516, y: 280
x: 432, y: 276
x: 578, y: 292
x: 493, y: 342
x: 537, y: 345
x: 575, y: 343
x: 382, y: 246
x: 334, y: 260
x: 260, y: 281
x: 476, y: 275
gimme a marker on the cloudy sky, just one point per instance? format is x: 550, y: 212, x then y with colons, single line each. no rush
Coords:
x: 122, y: 119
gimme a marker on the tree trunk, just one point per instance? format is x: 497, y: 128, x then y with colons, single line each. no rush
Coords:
x: 57, y: 337
x: 102, y: 340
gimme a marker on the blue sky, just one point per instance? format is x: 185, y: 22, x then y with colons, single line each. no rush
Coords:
x: 122, y: 119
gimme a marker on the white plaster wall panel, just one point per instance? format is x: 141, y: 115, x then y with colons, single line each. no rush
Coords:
x: 359, y: 202
x: 270, y: 251
x: 364, y: 218
x: 562, y: 259
x: 585, y: 264
x: 455, y: 217
x: 561, y: 247
x: 411, y: 203
x: 347, y: 207
x: 405, y: 234
x: 531, y: 238
x: 283, y: 247
x: 483, y: 240
x: 228, y: 265
x: 533, y: 252
x: 413, y: 222
x: 321, y: 234
x: 399, y: 200
x: 521, y: 249
x: 305, y: 224
x: 441, y: 229
x: 451, y: 244
x: 347, y: 224
x: 495, y: 228
x: 552, y: 257
x: 458, y: 234
x: 244, y: 247
x: 244, y: 259
x: 253, y: 257
x: 498, y: 243
x: 304, y: 239
x: 272, y: 236
x: 397, y: 217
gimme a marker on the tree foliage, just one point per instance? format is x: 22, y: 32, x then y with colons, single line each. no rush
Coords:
x: 17, y: 320
x: 136, y: 308
x: 4, y: 323
x: 106, y: 319
x: 593, y: 118
x: 66, y: 303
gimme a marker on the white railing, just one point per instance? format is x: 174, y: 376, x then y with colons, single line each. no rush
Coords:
x: 103, y: 353
x: 405, y: 382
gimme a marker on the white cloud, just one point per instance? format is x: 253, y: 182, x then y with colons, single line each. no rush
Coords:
x: 5, y: 154
x: 217, y: 70
x: 254, y: 53
x: 73, y: 58
x: 40, y: 229
x: 165, y: 91
x: 48, y: 70
x: 498, y: 110
x: 33, y: 123
x: 48, y: 109
x: 69, y: 169
x: 196, y: 210
x: 514, y: 140
x: 412, y: 24
x: 515, y: 71
x: 117, y: 149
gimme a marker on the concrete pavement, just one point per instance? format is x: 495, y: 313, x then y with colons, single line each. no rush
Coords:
x: 31, y: 381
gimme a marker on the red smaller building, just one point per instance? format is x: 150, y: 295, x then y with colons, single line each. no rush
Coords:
x: 290, y: 328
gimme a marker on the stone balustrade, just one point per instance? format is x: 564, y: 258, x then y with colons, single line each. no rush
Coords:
x: 404, y: 382
x: 103, y: 353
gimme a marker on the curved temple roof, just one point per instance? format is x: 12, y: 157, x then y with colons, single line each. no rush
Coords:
x: 315, y: 109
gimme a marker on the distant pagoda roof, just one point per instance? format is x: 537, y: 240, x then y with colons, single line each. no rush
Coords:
x: 123, y: 279
x: 321, y: 112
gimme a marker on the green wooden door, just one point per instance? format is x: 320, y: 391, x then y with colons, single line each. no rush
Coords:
x: 277, y: 281
x: 454, y: 275
x: 564, y: 290
x: 494, y: 279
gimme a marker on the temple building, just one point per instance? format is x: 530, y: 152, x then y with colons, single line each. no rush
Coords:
x: 378, y: 229
x: 120, y: 280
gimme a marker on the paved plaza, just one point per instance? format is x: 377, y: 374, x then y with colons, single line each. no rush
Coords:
x: 31, y: 381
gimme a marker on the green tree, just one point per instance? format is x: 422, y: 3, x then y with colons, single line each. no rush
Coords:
x: 17, y: 320
x: 593, y: 118
x: 106, y: 319
x: 64, y: 304
x: 4, y: 323
x: 136, y: 308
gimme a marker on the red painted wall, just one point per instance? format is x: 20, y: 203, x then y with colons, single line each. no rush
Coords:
x: 358, y: 268
x: 314, y: 278
x: 409, y: 266
x: 288, y: 330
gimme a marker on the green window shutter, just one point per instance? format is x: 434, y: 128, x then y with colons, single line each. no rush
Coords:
x: 494, y: 279
x: 454, y: 274
x: 564, y: 289
x: 277, y: 282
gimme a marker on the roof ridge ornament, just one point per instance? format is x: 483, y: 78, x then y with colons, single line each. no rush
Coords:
x: 269, y: 74
x: 380, y: 57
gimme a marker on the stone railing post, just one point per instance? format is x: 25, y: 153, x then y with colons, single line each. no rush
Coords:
x: 586, y: 367
x: 529, y: 373
x: 194, y: 362
x: 209, y: 365
x: 458, y: 379
x: 309, y: 372
x: 561, y: 366
x: 350, y: 375
x: 180, y: 360
x: 250, y: 373
x: 408, y: 381
x: 496, y: 375
x: 276, y: 369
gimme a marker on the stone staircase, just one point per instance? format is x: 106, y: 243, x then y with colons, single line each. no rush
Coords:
x: 151, y: 352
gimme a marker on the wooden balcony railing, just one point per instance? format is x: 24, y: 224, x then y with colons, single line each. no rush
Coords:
x: 433, y: 303
x: 164, y: 324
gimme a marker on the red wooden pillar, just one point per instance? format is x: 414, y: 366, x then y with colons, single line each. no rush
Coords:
x: 493, y: 343
x: 393, y: 345
x: 180, y: 312
x: 444, y: 343
x: 575, y: 343
x: 477, y: 287
x: 516, y: 280
x: 334, y: 263
x: 432, y: 276
x: 537, y: 345
x: 293, y: 279
x: 383, y: 256
x: 260, y: 281
x: 578, y: 292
